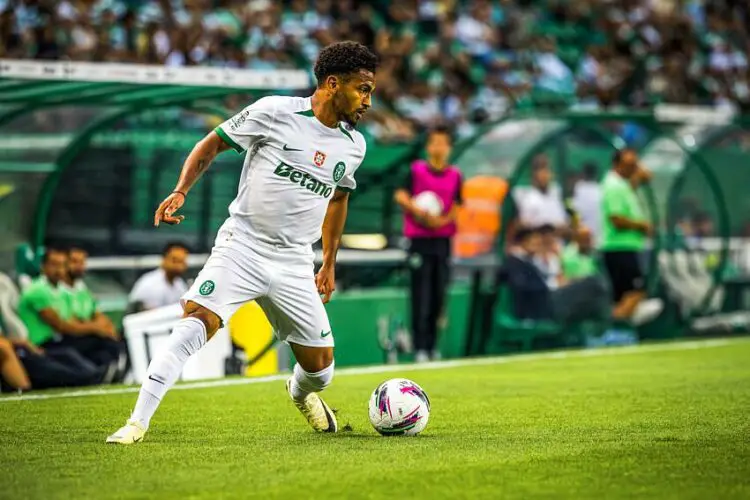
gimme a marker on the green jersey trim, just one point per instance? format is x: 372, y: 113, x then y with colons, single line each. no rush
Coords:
x: 346, y: 133
x: 225, y: 137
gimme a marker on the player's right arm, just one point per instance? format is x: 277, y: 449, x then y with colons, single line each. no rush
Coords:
x: 241, y: 132
x: 197, y: 162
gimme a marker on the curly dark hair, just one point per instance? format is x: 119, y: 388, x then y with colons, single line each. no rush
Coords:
x: 343, y: 58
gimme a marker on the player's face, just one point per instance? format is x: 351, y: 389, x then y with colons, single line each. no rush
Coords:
x: 55, y: 267
x: 353, y: 96
x: 438, y: 147
x: 175, y: 262
x: 77, y: 263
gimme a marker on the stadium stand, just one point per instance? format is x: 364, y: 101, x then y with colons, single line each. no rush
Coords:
x: 455, y: 60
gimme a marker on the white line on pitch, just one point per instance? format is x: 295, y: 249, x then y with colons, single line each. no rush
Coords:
x: 367, y: 370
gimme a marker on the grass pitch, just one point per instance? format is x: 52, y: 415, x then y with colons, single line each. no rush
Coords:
x: 660, y: 421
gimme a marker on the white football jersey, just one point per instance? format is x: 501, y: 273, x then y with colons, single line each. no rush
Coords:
x: 293, y: 165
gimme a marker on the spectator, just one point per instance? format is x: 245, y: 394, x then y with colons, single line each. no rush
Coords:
x: 45, y: 310
x: 527, y: 284
x: 541, y: 203
x: 624, y: 235
x: 548, y: 258
x: 430, y: 237
x: 577, y: 301
x: 587, y: 198
x: 83, y: 306
x: 24, y: 366
x: 163, y: 286
x: 577, y: 259
x: 12, y: 373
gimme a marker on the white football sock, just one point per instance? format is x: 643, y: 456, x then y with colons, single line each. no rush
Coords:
x: 303, y: 383
x: 187, y: 337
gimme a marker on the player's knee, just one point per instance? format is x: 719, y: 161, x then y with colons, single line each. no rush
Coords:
x: 210, y: 319
x: 314, y: 360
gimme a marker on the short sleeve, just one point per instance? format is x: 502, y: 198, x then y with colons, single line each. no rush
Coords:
x: 347, y: 183
x: 138, y: 293
x: 248, y: 127
x: 37, y: 298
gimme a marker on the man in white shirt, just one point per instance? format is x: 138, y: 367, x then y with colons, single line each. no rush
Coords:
x: 163, y: 286
x: 541, y: 203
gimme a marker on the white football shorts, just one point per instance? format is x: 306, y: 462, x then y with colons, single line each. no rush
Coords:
x: 280, y: 280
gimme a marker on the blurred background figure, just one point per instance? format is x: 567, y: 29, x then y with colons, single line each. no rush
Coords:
x: 624, y: 237
x: 163, y: 286
x: 24, y: 366
x: 587, y: 198
x: 83, y: 306
x: 429, y: 233
x: 46, y: 310
x: 540, y: 203
x: 526, y: 282
x: 578, y: 260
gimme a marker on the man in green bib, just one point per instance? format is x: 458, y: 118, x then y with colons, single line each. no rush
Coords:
x: 83, y: 306
x: 625, y: 232
x: 577, y: 259
x: 46, y: 310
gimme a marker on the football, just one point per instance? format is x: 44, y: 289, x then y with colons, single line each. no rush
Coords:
x: 399, y: 407
x: 429, y: 202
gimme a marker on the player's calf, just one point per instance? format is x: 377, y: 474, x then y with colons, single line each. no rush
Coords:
x: 188, y: 336
x: 304, y: 382
x: 304, y: 385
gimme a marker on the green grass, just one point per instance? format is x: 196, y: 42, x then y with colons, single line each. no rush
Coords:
x: 660, y: 422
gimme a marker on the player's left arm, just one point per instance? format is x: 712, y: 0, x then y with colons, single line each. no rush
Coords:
x: 333, y: 228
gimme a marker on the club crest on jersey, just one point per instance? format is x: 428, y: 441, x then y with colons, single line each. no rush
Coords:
x: 319, y: 158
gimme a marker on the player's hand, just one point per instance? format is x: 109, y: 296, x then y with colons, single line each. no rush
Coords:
x: 325, y: 280
x: 168, y: 207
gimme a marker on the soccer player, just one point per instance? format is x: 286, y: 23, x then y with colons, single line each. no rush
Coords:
x: 302, y: 154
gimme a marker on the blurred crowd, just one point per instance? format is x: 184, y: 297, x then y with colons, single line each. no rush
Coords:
x: 464, y: 62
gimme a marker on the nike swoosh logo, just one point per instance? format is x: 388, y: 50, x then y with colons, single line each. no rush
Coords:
x: 151, y: 377
x: 290, y: 149
x: 324, y: 334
